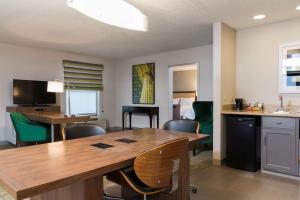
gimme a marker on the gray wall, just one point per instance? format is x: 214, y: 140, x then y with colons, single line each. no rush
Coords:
x: 123, y: 84
x: 17, y: 62
x: 185, y: 80
x: 258, y: 61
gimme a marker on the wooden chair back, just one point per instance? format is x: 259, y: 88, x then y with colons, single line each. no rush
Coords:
x: 155, y: 166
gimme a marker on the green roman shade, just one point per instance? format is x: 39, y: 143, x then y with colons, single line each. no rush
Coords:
x: 83, y: 76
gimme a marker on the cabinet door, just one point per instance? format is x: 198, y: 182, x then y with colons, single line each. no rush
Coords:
x: 279, y: 152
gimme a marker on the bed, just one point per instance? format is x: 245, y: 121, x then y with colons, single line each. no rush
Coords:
x: 183, y: 104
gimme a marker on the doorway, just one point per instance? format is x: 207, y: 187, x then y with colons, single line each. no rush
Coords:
x: 183, y: 90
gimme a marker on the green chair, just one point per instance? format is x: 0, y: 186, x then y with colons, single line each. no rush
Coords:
x: 204, y: 115
x: 28, y: 131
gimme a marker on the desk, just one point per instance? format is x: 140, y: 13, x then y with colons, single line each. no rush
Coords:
x: 54, y: 118
x: 73, y: 169
x: 149, y: 110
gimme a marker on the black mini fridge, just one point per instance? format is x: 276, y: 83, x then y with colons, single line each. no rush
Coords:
x: 243, y: 143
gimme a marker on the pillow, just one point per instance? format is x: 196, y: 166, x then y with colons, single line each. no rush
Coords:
x: 187, y: 101
x: 176, y: 101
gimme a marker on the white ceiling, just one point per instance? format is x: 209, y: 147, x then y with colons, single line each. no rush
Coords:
x: 173, y: 24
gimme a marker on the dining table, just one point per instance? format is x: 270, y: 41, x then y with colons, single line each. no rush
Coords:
x: 74, y: 169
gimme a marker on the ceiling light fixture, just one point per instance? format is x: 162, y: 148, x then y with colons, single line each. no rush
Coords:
x: 257, y: 17
x: 114, y: 12
x: 298, y: 7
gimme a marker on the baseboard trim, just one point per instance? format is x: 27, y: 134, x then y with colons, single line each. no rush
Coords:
x: 3, y: 143
x: 217, y: 162
x: 280, y: 175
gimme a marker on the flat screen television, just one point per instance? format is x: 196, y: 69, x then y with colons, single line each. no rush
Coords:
x: 31, y: 93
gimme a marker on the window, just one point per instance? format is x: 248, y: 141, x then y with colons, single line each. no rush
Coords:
x: 83, y: 83
x: 84, y: 102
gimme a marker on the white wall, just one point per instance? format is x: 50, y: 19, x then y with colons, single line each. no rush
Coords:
x: 224, y: 64
x: 123, y: 89
x: 257, y: 61
x: 18, y: 62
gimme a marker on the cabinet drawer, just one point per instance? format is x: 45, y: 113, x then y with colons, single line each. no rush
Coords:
x: 279, y: 122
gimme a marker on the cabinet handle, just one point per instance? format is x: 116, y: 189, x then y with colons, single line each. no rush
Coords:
x: 278, y: 123
x: 265, y: 140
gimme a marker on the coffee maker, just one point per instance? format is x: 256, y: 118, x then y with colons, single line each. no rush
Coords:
x: 239, y: 104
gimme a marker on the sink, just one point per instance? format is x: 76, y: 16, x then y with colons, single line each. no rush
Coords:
x: 281, y: 112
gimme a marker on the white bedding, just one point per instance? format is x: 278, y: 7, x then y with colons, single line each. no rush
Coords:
x: 187, y: 112
x: 186, y: 108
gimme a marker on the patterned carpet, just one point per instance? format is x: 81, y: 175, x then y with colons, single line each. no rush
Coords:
x: 4, y: 195
x: 198, y: 162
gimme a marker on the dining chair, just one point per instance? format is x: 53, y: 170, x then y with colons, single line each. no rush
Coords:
x: 204, y: 115
x: 28, y: 131
x: 182, y: 125
x: 81, y: 130
x: 155, y: 170
x: 186, y: 126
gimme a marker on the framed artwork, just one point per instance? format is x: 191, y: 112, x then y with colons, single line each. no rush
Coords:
x: 289, y: 68
x: 143, y: 83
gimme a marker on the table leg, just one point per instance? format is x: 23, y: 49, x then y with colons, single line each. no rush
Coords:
x: 130, y: 116
x: 123, y: 122
x: 186, y: 176
x: 52, y: 132
x: 150, y: 118
x: 157, y: 118
x: 91, y: 189
x: 94, y: 188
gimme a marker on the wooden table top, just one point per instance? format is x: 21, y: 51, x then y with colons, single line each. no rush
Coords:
x: 28, y: 171
x: 55, y: 117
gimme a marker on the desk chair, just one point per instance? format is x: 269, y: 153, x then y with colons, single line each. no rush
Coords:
x: 28, y: 131
x: 184, y: 125
x: 154, y: 171
x: 81, y: 130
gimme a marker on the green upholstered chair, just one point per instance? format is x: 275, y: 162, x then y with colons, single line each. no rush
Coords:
x: 204, y: 115
x: 28, y: 131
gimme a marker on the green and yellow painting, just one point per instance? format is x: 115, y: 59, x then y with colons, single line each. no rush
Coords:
x: 143, y: 84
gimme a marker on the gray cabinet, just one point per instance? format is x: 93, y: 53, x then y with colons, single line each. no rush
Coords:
x: 280, y: 144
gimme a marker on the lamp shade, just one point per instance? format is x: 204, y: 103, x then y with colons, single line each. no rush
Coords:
x: 114, y: 12
x: 55, y: 86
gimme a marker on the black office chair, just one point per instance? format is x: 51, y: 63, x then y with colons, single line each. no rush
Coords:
x: 81, y: 130
x: 182, y: 125
x: 187, y: 126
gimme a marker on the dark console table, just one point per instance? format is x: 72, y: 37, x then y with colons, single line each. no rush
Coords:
x: 150, y: 111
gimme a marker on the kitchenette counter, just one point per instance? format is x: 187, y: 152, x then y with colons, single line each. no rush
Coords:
x: 278, y: 141
x: 261, y: 113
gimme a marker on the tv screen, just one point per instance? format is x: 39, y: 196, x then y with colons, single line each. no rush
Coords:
x: 27, y: 92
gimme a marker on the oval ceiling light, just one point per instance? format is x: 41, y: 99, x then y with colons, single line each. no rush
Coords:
x: 114, y: 12
x: 257, y: 17
x: 298, y: 7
